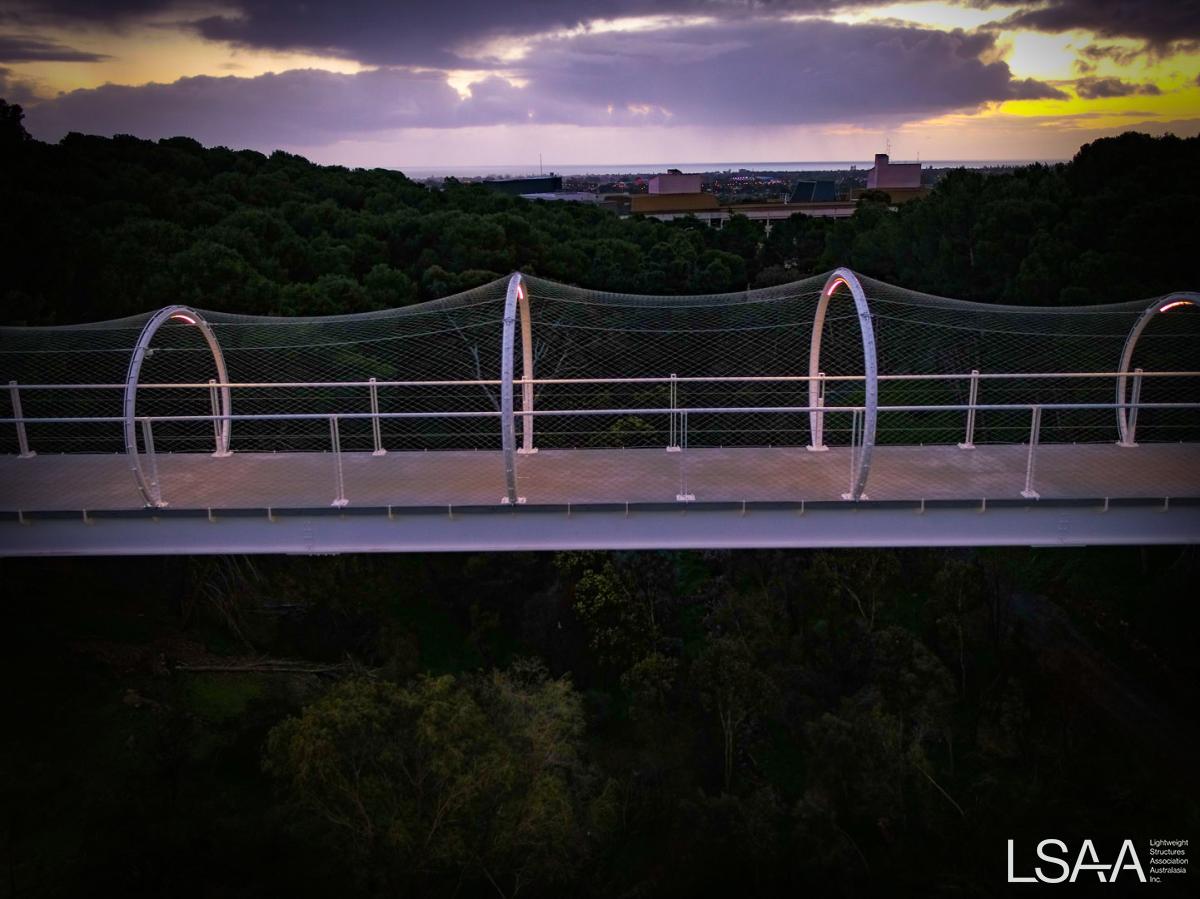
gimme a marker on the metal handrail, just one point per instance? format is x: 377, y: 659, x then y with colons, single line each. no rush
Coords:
x: 699, y: 379
x: 702, y: 410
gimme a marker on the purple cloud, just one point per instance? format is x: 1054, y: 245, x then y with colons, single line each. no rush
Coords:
x: 720, y: 75
x: 1098, y: 88
x: 272, y: 110
x: 1120, y: 55
x: 387, y: 32
x: 15, y: 91
x: 36, y: 49
x: 1164, y: 25
x: 103, y: 12
x: 776, y: 73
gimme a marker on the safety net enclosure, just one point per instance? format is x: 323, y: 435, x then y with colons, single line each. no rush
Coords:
x: 523, y: 367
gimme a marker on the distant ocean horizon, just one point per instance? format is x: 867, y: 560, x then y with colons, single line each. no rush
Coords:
x: 525, y: 171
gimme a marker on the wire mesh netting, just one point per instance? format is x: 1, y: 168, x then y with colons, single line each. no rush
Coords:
x: 1027, y: 356
x: 403, y: 406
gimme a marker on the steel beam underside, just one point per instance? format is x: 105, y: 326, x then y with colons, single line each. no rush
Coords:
x: 601, y: 526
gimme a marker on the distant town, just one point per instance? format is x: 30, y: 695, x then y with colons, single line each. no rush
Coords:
x: 714, y: 197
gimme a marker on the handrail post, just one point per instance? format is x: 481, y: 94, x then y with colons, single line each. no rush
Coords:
x: 155, y: 485
x: 684, y: 495
x: 376, y: 432
x: 335, y: 439
x: 526, y: 448
x: 14, y: 394
x: 1035, y: 429
x: 1130, y: 436
x: 673, y: 435
x: 854, y: 431
x: 818, y: 417
x: 972, y: 400
x: 220, y: 451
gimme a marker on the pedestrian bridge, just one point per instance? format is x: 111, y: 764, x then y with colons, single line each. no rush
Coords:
x: 526, y: 414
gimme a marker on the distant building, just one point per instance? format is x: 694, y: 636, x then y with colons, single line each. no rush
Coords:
x: 813, y: 192
x: 769, y: 213
x: 887, y: 174
x: 705, y: 208
x: 676, y: 195
x: 674, y: 182
x: 901, y: 181
x: 517, y: 186
x: 615, y: 201
x: 658, y: 204
x: 565, y: 196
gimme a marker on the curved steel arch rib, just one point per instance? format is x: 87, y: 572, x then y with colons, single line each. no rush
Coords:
x: 1126, y: 424
x: 149, y: 488
x: 516, y: 302
x: 843, y: 277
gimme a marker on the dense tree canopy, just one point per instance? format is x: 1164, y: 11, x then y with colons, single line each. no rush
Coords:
x: 770, y: 723
x: 479, y: 777
x: 98, y: 228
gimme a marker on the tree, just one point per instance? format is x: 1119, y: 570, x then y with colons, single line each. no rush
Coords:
x: 742, y: 237
x: 475, y: 777
x: 388, y: 287
x: 12, y: 132
x: 619, y: 600
x: 874, y: 195
x: 734, y: 687
x: 866, y: 579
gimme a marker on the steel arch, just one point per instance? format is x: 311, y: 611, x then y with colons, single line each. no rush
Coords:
x: 843, y: 277
x: 516, y: 302
x: 1163, y: 304
x: 150, y: 491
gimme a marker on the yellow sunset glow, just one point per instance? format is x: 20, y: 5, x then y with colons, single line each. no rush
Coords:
x: 158, y: 54
x: 931, y: 14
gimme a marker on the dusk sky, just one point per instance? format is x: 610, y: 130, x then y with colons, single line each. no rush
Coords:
x: 474, y: 82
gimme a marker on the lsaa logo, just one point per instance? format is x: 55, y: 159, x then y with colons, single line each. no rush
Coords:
x: 1057, y: 854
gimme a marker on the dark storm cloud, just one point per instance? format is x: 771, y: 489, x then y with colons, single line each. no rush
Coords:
x: 1100, y: 88
x: 1120, y: 55
x: 103, y: 12
x: 393, y: 32
x: 387, y: 33
x: 403, y: 32
x: 776, y: 73
x: 722, y: 76
x: 399, y: 33
x: 33, y: 49
x: 302, y: 106
x: 1162, y: 24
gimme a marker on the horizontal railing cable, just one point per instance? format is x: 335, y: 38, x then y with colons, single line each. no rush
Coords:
x: 696, y: 379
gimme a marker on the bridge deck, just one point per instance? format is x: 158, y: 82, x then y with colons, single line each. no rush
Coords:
x: 458, y: 478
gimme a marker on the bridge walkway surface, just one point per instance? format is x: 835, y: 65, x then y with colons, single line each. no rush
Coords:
x: 600, y: 476
x: 603, y: 498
